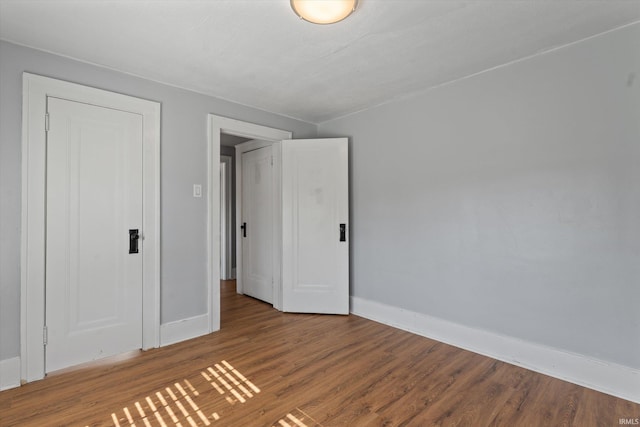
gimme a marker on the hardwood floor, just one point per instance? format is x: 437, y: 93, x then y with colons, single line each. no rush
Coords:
x: 265, y: 368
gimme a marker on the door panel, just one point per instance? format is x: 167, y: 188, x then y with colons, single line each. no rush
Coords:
x: 257, y: 214
x: 94, y: 196
x: 315, y: 204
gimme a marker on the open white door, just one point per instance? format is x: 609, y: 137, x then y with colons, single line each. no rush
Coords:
x: 315, y: 205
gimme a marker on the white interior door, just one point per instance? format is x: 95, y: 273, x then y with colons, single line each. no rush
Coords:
x: 257, y: 224
x: 315, y: 204
x: 94, y: 197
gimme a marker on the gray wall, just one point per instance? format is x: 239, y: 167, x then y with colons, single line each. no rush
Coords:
x: 509, y: 201
x: 183, y: 151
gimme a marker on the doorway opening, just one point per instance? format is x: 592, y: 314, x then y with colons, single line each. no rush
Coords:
x: 224, y: 226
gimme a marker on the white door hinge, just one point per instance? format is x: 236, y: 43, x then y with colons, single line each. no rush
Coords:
x: 46, y: 122
x: 45, y: 335
x: 271, y: 160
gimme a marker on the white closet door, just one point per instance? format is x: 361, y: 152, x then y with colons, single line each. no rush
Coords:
x: 94, y: 197
x: 257, y: 224
x: 315, y: 264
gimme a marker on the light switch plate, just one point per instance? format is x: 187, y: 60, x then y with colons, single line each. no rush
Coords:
x: 197, y: 190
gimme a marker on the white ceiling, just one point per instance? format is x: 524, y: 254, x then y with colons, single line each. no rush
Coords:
x: 259, y: 53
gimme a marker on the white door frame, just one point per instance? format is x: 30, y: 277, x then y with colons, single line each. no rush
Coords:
x: 217, y: 125
x: 36, y: 89
x: 225, y: 218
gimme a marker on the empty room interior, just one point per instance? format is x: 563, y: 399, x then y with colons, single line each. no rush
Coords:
x: 316, y: 213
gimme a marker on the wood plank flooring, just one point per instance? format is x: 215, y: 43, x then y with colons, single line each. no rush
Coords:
x: 265, y: 368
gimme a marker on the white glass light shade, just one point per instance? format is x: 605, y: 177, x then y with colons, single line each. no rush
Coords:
x: 323, y: 11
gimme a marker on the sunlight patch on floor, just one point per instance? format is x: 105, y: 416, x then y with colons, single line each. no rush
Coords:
x: 178, y: 405
x: 296, y: 418
x: 217, y: 379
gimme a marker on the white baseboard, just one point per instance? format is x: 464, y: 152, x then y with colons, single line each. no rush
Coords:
x: 181, y: 330
x: 9, y: 373
x: 617, y: 380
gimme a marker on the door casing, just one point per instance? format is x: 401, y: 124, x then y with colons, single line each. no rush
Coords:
x: 36, y: 89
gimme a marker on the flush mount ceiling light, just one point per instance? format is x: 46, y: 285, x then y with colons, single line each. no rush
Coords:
x: 323, y: 11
